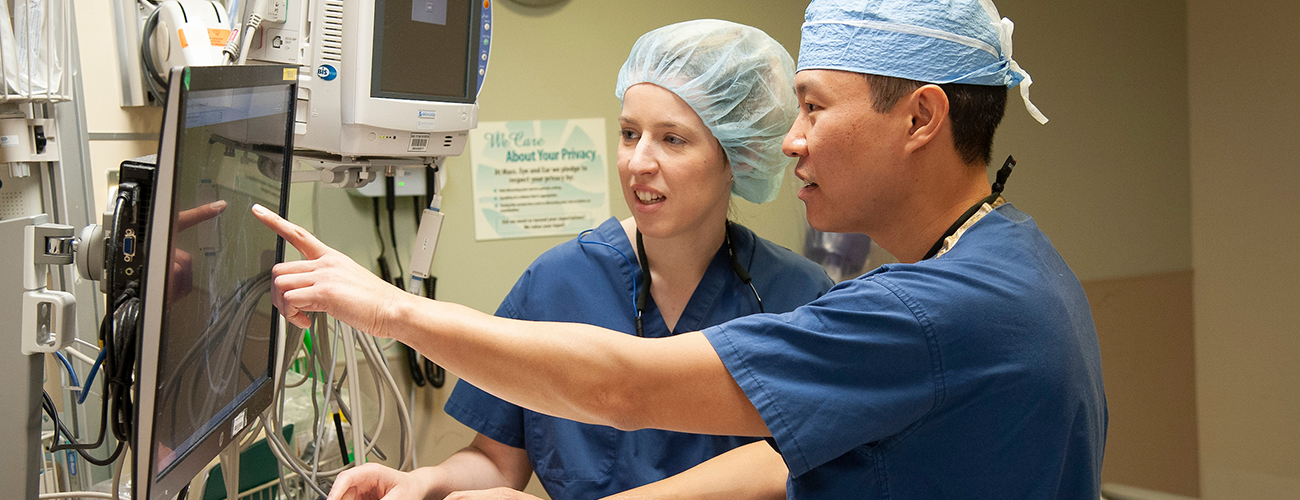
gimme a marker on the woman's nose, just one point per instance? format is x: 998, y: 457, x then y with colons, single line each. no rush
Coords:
x: 644, y: 159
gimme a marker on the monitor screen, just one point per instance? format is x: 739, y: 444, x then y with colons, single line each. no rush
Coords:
x: 423, y: 50
x: 207, y: 343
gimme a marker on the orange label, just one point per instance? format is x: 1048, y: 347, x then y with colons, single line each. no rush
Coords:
x: 181, y: 34
x: 218, y: 37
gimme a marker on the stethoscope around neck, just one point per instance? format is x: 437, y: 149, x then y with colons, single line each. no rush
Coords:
x: 643, y: 293
x: 640, y: 294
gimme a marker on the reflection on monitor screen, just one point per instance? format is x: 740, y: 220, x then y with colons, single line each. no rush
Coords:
x: 208, y: 341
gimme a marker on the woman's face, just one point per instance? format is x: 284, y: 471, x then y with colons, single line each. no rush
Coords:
x: 674, y: 174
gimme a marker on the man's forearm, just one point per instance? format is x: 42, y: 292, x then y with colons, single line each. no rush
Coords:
x: 581, y: 372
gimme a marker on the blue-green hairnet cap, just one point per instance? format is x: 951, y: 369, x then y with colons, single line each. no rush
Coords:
x: 738, y: 80
x: 932, y: 41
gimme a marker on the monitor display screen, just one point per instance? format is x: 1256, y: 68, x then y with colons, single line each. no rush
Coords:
x: 423, y: 50
x: 207, y: 347
x: 217, y: 320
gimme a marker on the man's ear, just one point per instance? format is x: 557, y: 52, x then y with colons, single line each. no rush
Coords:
x: 928, y: 107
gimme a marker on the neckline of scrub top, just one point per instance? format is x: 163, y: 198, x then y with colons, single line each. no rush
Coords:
x: 707, y: 291
x: 985, y: 209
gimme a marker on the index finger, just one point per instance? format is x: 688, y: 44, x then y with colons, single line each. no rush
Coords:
x: 305, y: 242
x: 187, y: 218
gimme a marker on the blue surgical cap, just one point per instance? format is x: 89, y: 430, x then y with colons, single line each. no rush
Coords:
x: 738, y: 80
x: 936, y: 41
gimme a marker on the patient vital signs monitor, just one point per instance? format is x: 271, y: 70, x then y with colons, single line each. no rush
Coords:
x: 393, y: 78
x: 206, y: 347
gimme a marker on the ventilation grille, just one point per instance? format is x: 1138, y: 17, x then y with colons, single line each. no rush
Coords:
x: 331, y: 39
x: 446, y: 142
x: 13, y: 205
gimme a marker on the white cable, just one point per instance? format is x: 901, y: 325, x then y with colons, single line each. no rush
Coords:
x: 384, y: 382
x: 77, y: 354
x: 257, y: 10
x: 354, y: 397
x: 272, y: 426
x: 87, y: 344
x: 78, y: 494
x: 320, y: 425
x: 411, y: 408
x: 117, y: 474
x: 404, y: 417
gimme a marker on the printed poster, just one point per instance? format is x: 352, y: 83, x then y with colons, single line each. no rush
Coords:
x: 539, y: 178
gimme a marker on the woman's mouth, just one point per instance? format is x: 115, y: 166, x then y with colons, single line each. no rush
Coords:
x: 648, y: 198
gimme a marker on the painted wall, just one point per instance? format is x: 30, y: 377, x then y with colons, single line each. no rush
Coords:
x: 1245, y: 181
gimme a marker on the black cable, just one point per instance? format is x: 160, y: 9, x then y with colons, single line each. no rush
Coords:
x: 379, y: 234
x: 390, y: 198
x: 47, y: 404
x: 433, y: 372
x: 117, y: 332
x: 740, y: 270
x: 645, y: 283
x: 119, y: 361
x: 999, y: 184
x: 343, y: 445
x: 153, y: 78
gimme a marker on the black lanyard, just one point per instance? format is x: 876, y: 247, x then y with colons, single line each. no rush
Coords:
x: 998, y: 185
x: 644, y: 292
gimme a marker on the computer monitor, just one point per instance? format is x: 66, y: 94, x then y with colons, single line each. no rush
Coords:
x: 209, y: 331
x: 393, y: 78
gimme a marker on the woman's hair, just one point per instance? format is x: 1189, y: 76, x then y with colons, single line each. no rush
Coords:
x: 738, y: 80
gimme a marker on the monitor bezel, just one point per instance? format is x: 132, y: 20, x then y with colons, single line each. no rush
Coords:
x: 472, y: 49
x: 147, y: 483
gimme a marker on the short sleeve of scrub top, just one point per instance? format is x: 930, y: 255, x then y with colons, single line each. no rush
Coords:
x: 852, y: 367
x: 975, y: 374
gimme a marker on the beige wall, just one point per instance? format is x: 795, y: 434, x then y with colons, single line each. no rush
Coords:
x: 1106, y: 178
x: 1245, y: 185
x: 1144, y: 324
x: 103, y: 115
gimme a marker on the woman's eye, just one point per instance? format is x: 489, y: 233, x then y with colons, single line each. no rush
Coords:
x: 629, y: 135
x: 674, y: 140
x: 810, y: 107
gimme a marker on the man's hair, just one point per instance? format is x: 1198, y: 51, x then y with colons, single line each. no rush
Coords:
x: 975, y: 111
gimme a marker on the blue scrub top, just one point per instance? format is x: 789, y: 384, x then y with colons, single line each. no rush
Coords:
x: 975, y: 374
x: 591, y: 283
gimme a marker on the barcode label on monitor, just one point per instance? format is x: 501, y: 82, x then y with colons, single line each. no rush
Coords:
x: 419, y: 141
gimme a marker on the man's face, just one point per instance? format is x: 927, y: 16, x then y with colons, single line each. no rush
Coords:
x: 849, y: 155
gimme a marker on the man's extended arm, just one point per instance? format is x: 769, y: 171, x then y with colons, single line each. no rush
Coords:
x: 569, y: 370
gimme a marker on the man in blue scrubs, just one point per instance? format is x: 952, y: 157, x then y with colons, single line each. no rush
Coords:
x: 969, y: 370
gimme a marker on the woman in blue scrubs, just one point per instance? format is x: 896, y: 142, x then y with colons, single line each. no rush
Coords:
x: 705, y: 106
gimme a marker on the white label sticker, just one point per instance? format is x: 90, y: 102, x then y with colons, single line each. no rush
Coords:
x: 240, y: 420
x: 8, y: 141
